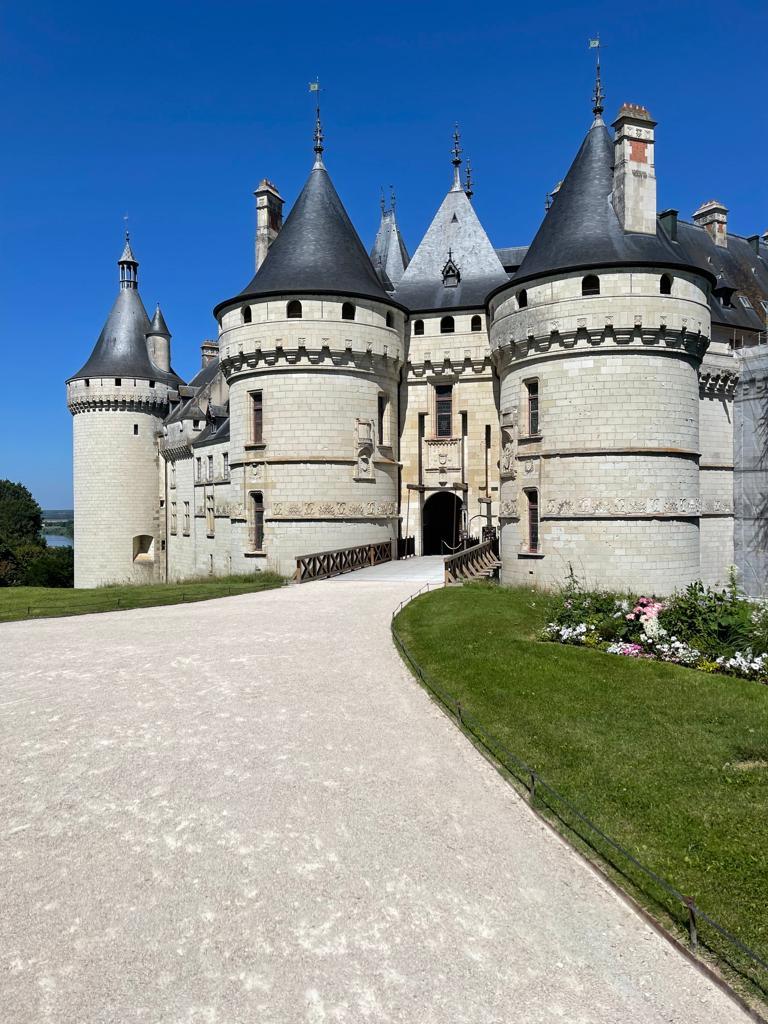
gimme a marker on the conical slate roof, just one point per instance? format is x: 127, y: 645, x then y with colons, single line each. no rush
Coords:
x: 121, y: 349
x: 389, y: 255
x: 158, y: 325
x: 456, y: 228
x: 581, y: 229
x: 317, y: 251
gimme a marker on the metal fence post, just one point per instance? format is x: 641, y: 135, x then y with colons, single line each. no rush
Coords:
x: 692, y: 932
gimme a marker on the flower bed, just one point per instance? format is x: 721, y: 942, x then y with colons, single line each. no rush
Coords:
x: 711, y: 630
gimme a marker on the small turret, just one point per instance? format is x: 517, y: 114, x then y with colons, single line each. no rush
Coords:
x: 129, y: 266
x: 159, y: 341
x: 269, y: 218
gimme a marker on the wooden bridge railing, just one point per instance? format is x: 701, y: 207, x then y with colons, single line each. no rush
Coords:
x: 323, y: 564
x: 472, y: 563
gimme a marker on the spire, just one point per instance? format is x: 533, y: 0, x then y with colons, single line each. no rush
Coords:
x: 315, y: 87
x: 129, y: 266
x: 598, y: 96
x: 389, y: 255
x: 456, y: 160
x: 158, y: 325
x: 468, y: 182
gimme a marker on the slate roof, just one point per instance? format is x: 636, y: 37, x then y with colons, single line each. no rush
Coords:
x: 121, y: 348
x: 581, y: 229
x: 455, y: 227
x: 158, y: 325
x: 317, y: 251
x: 736, y: 266
x: 215, y: 432
x: 512, y: 256
x: 389, y: 255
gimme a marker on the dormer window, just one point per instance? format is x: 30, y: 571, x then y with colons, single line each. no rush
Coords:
x: 451, y: 273
x: 745, y: 302
x: 724, y: 296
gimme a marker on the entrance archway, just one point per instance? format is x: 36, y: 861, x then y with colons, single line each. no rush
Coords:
x: 441, y: 523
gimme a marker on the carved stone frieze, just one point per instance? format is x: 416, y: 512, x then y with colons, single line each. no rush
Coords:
x: 333, y: 509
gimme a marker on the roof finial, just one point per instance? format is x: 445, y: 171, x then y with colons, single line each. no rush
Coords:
x: 597, y: 94
x: 468, y: 182
x: 456, y: 159
x: 315, y: 87
x: 392, y: 198
x: 382, y: 202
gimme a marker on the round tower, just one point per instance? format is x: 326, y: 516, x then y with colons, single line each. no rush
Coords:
x: 597, y: 342
x: 118, y: 400
x: 312, y: 350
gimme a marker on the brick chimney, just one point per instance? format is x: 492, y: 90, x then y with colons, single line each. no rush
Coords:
x: 269, y: 218
x: 634, y: 170
x: 209, y: 350
x: 713, y: 216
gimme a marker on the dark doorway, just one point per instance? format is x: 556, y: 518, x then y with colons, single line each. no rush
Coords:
x: 441, y: 523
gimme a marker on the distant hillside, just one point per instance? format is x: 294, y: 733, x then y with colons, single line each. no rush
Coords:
x: 51, y: 515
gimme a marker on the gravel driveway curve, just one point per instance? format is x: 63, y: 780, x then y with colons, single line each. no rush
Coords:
x: 247, y: 811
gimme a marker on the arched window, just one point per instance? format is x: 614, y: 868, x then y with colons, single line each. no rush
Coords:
x: 522, y: 299
x: 590, y: 285
x: 476, y: 323
x: 665, y: 285
x: 246, y: 314
x: 390, y: 319
x: 293, y: 310
x: 446, y: 325
x: 418, y: 326
x: 347, y: 311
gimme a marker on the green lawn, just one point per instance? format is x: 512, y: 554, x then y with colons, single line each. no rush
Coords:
x: 42, y: 602
x: 670, y: 762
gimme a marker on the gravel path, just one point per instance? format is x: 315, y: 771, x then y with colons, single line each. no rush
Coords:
x: 247, y: 811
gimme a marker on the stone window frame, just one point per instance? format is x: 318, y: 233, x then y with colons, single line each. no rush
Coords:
x: 532, y: 540
x: 256, y: 419
x: 210, y: 514
x: 187, y: 518
x: 255, y: 513
x: 436, y: 435
x: 524, y: 419
x: 383, y: 425
x: 174, y: 519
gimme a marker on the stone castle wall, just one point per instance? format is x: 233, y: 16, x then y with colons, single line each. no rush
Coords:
x: 116, y: 479
x: 614, y: 465
x: 751, y: 471
x: 327, y: 476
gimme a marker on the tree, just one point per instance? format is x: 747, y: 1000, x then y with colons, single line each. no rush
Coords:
x: 21, y: 518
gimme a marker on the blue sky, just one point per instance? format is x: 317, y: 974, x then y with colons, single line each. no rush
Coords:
x: 173, y: 112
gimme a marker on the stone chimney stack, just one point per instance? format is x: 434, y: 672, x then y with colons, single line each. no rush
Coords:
x: 634, y: 171
x: 269, y: 218
x: 209, y: 350
x: 713, y: 216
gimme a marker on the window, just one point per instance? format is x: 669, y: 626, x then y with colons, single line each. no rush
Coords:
x: 195, y: 424
x: 210, y: 467
x: 447, y: 325
x: 665, y: 285
x: 444, y: 409
x: 151, y: 383
x: 173, y: 474
x: 87, y: 382
x: 135, y: 429
x: 257, y: 418
x: 225, y: 465
x: 522, y: 299
x: 257, y: 521
x: 210, y: 520
x: 118, y: 381
x: 246, y: 315
x: 418, y: 327
x: 347, y: 311
x: 173, y: 518
x: 199, y: 469
x: 382, y: 419
x: 390, y: 319
x: 293, y: 310
x: 477, y: 323
x: 763, y: 303
x: 590, y: 285
x: 745, y: 302
x: 143, y: 548
x: 532, y: 399
x: 186, y: 518
x: 533, y: 520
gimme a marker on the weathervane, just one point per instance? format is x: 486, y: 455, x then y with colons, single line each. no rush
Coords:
x: 597, y: 95
x: 315, y: 87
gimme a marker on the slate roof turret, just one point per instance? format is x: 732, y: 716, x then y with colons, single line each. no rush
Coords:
x: 317, y: 251
x: 581, y: 230
x: 389, y: 255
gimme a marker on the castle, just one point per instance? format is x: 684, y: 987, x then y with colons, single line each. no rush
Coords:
x: 600, y: 397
